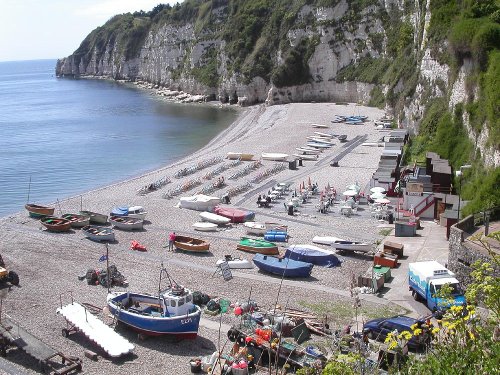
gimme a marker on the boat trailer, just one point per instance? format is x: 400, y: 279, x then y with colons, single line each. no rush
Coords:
x: 13, y: 335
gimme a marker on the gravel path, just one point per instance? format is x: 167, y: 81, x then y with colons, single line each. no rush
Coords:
x: 49, y: 263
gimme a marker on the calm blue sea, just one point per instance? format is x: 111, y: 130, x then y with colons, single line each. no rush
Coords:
x: 73, y: 135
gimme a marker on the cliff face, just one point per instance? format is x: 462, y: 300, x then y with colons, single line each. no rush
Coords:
x: 170, y: 53
x: 374, y: 52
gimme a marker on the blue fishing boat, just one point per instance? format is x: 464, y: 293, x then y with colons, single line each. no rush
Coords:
x: 312, y: 254
x: 171, y: 312
x: 283, y: 267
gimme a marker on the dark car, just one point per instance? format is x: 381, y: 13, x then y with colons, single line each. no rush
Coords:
x: 378, y: 329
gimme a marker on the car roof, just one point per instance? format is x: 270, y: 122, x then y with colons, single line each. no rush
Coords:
x: 402, y: 320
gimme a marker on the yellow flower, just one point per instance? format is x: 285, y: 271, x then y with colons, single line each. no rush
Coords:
x: 392, y: 345
x: 417, y: 331
x: 471, y: 335
x: 406, y: 335
x: 435, y: 331
x: 414, y: 326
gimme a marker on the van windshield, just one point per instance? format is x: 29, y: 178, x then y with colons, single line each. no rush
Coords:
x: 455, y: 289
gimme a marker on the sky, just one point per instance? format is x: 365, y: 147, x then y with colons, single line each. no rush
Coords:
x: 50, y: 29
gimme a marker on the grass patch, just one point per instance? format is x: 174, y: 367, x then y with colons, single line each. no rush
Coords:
x: 342, y: 312
x: 385, y: 232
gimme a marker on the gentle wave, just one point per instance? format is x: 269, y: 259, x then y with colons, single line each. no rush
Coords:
x: 51, y: 128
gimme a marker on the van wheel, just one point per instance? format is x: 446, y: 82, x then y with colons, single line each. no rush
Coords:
x: 415, y: 296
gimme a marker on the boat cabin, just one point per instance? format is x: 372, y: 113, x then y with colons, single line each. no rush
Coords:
x: 177, y: 301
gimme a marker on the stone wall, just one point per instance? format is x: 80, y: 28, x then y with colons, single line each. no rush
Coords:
x: 462, y: 253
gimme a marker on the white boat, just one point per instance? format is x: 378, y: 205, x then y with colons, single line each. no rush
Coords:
x: 214, y: 218
x: 253, y: 227
x: 199, y: 202
x: 239, y: 155
x: 319, y: 126
x: 126, y: 222
x: 343, y: 245
x: 133, y: 211
x: 235, y: 263
x: 204, y: 226
x: 308, y: 151
x: 306, y: 157
x: 320, y: 140
x: 274, y: 156
x: 324, y: 135
x: 318, y: 145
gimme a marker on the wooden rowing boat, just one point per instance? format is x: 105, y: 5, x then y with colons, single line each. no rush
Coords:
x: 191, y: 244
x: 96, y: 233
x: 56, y: 224
x: 37, y: 211
x: 77, y: 221
x: 251, y: 245
x: 126, y: 223
x: 95, y: 218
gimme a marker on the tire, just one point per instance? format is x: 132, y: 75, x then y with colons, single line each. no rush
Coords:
x: 65, y: 332
x: 415, y: 296
x: 13, y: 278
x: 232, y: 335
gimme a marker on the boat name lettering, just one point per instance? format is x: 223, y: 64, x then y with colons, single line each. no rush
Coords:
x: 186, y: 321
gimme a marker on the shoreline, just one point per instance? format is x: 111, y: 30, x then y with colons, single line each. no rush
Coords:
x: 49, y: 263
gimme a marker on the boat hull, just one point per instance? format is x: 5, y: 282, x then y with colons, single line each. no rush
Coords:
x: 282, y: 267
x: 205, y: 227
x: 199, y: 202
x: 274, y: 156
x: 258, y: 229
x: 37, y: 211
x: 312, y: 254
x: 234, y: 214
x: 95, y: 218
x: 257, y: 246
x: 56, y: 224
x: 240, y: 156
x: 77, y: 221
x: 214, y: 218
x: 185, y: 326
x: 191, y: 244
x: 99, y: 234
x: 344, y: 245
x: 126, y: 223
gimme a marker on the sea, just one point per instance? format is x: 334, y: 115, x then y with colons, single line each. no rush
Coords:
x: 60, y: 137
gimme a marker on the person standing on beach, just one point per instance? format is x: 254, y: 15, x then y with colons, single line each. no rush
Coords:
x: 171, y: 239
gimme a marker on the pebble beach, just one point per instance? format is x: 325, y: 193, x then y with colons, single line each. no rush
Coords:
x: 49, y: 263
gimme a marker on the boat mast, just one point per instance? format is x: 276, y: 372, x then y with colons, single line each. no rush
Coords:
x: 29, y: 189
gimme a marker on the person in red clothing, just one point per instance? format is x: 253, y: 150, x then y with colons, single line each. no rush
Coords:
x: 171, y: 239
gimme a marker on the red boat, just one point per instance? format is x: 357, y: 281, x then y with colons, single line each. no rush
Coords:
x: 236, y: 215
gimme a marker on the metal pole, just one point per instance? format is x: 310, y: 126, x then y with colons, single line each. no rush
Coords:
x: 107, y: 265
x: 459, y: 192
